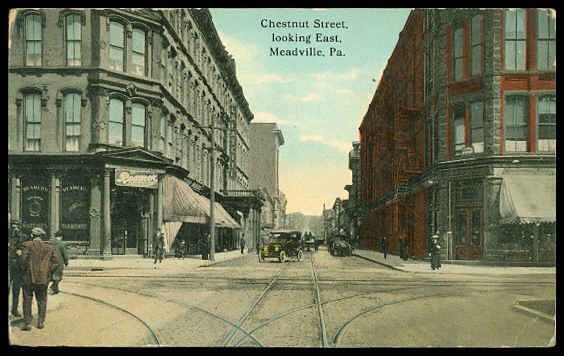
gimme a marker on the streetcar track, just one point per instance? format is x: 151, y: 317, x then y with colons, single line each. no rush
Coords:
x: 322, y: 331
x: 169, y: 300
x: 147, y: 326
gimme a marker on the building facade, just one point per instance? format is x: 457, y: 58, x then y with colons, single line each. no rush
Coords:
x: 487, y: 129
x: 353, y: 210
x: 265, y: 141
x: 103, y: 105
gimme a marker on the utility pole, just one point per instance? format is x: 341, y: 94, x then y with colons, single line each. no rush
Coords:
x: 212, y: 192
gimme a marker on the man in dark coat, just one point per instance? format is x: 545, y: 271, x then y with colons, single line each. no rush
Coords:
x: 435, y: 252
x: 38, y: 260
x: 158, y: 248
x: 385, y: 246
x: 15, y: 243
x: 63, y: 257
x: 242, y: 243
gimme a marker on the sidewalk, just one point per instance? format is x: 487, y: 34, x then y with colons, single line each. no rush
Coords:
x: 396, y: 263
x: 138, y: 265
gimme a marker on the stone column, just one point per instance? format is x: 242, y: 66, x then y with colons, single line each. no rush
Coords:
x: 107, y: 235
x: 54, y: 208
x: 160, y: 198
x: 95, y: 218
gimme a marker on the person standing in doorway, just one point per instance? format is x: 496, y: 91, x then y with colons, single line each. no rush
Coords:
x: 63, y: 257
x: 15, y: 280
x: 242, y: 243
x: 38, y: 260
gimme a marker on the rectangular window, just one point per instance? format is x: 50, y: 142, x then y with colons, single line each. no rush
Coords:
x: 32, y: 113
x: 115, y: 126
x: 74, y: 37
x: 546, y: 118
x: 458, y: 129
x: 477, y: 126
x: 33, y: 40
x: 476, y: 43
x: 138, y: 125
x: 515, y: 118
x: 162, y: 134
x: 72, y: 122
x: 514, y: 39
x: 458, y: 54
x: 117, y: 46
x: 138, y: 52
x: 546, y: 39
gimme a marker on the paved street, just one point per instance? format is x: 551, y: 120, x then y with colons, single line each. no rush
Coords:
x: 322, y: 301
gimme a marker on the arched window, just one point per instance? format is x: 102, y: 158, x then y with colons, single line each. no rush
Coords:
x: 73, y: 31
x: 138, y: 113
x: 116, y: 120
x: 32, y: 122
x: 33, y: 40
x: 117, y: 45
x: 138, y: 52
x: 72, y: 122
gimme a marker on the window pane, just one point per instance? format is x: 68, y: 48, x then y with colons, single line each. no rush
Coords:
x: 458, y: 72
x: 458, y: 42
x: 137, y: 136
x: 72, y: 108
x: 115, y: 133
x: 520, y: 55
x: 509, y: 54
x: 116, y: 34
x: 73, y: 27
x: 476, y: 59
x: 116, y: 110
x: 476, y: 31
x: 520, y: 24
x: 116, y: 54
x: 33, y: 27
x: 542, y: 54
x: 138, y: 115
x: 138, y: 40
x: 510, y: 23
x: 72, y: 144
x: 552, y: 54
x: 542, y: 23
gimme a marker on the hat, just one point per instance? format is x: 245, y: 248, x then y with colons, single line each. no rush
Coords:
x: 37, y: 231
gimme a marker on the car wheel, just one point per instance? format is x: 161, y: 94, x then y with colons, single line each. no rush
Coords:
x: 282, y: 257
x: 300, y: 255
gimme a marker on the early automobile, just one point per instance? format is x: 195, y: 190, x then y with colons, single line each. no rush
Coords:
x: 309, y: 242
x: 340, y: 247
x: 282, y: 245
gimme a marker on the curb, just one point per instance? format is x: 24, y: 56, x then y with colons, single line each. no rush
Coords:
x: 532, y: 312
x: 381, y: 263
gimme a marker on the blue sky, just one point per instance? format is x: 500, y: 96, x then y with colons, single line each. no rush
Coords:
x: 318, y: 102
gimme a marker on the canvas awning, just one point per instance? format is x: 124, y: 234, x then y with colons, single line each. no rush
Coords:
x: 528, y: 199
x: 183, y: 204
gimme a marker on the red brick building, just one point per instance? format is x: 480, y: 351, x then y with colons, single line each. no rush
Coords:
x: 392, y: 141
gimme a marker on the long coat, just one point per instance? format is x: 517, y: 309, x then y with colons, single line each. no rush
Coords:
x: 38, y: 261
x: 63, y: 257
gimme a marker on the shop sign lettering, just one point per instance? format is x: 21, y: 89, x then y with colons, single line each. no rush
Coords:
x: 129, y: 178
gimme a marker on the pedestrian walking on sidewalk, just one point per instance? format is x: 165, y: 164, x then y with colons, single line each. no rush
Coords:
x: 158, y: 248
x: 385, y: 246
x: 403, y: 247
x: 38, y: 260
x: 15, y: 278
x: 242, y: 243
x: 204, y: 247
x: 435, y: 252
x: 63, y: 258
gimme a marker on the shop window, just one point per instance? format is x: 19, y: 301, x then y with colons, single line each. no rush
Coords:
x: 116, y: 123
x: 515, y: 119
x: 35, y: 203
x: 117, y: 45
x: 514, y: 52
x: 546, y: 39
x: 138, y: 50
x: 75, y: 202
x: 458, y: 129
x: 32, y: 121
x: 477, y: 126
x: 138, y: 118
x: 546, y: 123
x: 73, y: 32
x: 72, y: 122
x: 33, y: 40
x: 476, y: 44
x: 458, y: 54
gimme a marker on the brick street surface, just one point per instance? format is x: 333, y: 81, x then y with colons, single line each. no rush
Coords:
x: 190, y: 302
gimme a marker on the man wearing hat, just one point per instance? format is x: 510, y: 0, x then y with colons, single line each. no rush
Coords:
x: 63, y: 257
x: 435, y: 252
x: 38, y: 260
x: 15, y: 243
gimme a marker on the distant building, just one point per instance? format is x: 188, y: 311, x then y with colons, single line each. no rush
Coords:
x: 265, y: 140
x: 353, y: 209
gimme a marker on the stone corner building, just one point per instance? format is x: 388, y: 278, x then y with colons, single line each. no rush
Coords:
x: 460, y: 137
x: 105, y: 107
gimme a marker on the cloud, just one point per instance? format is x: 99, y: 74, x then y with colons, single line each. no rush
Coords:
x: 345, y: 91
x: 310, y: 97
x: 351, y: 74
x: 339, y: 145
x: 269, y: 117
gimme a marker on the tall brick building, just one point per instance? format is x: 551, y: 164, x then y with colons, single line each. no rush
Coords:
x: 105, y: 107
x: 488, y: 118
